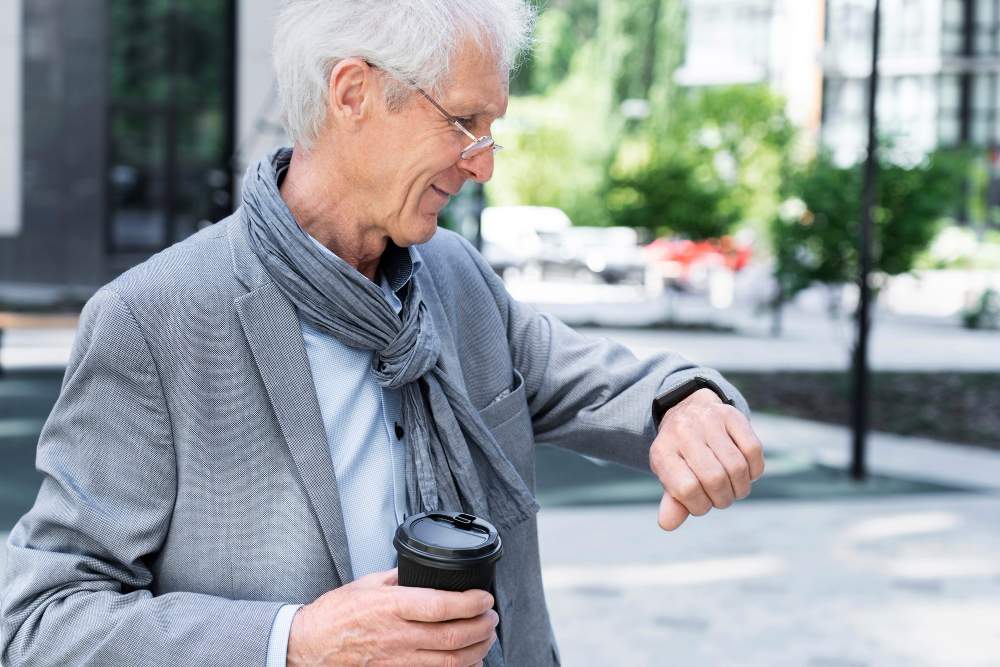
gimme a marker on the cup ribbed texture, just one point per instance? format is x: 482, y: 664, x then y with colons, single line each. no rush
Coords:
x: 421, y: 576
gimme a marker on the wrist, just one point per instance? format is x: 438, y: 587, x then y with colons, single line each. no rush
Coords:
x: 700, y: 397
x: 296, y: 655
x: 683, y: 391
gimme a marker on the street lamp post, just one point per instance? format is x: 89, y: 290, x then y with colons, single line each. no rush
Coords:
x: 868, y: 201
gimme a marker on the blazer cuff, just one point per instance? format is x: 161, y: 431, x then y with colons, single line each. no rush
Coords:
x: 277, y: 645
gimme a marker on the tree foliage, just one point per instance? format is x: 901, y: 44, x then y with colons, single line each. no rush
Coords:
x: 718, y: 162
x: 700, y: 162
x: 816, y: 231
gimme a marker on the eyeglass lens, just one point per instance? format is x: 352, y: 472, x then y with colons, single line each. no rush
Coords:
x: 480, y: 145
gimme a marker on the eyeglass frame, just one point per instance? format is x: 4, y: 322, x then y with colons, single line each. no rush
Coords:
x: 457, y: 123
x: 487, y: 139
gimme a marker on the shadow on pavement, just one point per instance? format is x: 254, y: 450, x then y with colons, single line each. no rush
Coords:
x: 566, y: 479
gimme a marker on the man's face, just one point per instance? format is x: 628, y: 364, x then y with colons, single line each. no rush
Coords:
x: 416, y: 155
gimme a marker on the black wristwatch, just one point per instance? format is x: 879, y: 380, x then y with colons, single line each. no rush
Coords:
x: 675, y: 395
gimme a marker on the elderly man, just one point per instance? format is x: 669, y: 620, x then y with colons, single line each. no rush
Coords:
x: 248, y: 416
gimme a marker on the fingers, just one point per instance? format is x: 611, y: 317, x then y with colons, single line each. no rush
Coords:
x: 455, y: 635
x: 433, y: 606
x: 672, y: 514
x: 734, y: 462
x: 681, y: 482
x: 466, y: 657
x: 701, y: 459
x: 739, y: 429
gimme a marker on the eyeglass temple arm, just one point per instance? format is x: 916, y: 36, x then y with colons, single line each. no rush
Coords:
x: 447, y: 115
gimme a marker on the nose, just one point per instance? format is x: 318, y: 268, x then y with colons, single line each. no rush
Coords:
x: 479, y: 167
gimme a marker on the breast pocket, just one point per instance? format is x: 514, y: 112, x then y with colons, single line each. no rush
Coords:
x: 510, y: 423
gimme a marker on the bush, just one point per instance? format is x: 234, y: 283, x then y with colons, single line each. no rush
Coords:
x: 985, y: 312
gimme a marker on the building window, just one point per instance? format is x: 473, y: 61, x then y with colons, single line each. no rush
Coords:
x: 170, y: 122
x: 986, y: 37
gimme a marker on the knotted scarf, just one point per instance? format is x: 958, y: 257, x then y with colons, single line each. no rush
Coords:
x: 453, y: 462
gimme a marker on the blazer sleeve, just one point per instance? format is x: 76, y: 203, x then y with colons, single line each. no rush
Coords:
x: 589, y: 394
x: 77, y: 587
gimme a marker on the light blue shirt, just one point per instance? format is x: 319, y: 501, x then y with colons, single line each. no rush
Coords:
x: 367, y: 448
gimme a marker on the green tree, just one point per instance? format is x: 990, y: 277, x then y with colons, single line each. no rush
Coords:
x: 815, y: 233
x: 717, y: 163
x: 701, y: 162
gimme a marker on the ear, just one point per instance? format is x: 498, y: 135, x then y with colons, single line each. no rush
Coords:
x: 353, y: 93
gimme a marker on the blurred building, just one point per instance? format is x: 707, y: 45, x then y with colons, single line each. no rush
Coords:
x: 119, y: 129
x: 756, y: 41
x: 939, y: 67
x: 939, y: 71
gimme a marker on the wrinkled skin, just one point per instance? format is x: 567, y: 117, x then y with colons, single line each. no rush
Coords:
x: 374, y: 622
x: 705, y: 455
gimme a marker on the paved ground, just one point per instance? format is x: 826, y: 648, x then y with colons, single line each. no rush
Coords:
x: 836, y: 574
x: 893, y: 581
x: 811, y: 340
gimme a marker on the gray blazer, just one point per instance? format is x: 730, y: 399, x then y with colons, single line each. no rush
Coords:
x: 189, y: 490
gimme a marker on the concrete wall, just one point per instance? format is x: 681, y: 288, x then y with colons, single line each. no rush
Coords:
x: 257, y: 127
x: 10, y: 117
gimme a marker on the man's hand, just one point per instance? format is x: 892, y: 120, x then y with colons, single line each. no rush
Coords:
x: 706, y: 454
x: 374, y: 622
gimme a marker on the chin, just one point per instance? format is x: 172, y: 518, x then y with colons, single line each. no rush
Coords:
x: 419, y: 230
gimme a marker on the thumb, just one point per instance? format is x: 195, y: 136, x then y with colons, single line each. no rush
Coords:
x: 672, y: 514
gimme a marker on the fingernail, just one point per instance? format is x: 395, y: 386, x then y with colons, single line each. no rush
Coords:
x: 493, y: 638
x: 487, y: 602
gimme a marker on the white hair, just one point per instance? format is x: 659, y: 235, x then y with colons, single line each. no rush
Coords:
x: 411, y: 40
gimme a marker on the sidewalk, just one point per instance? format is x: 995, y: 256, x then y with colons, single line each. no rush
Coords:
x: 865, y: 580
x: 36, y: 348
x: 809, y: 342
x: 812, y: 570
x: 904, y: 581
x: 811, y: 339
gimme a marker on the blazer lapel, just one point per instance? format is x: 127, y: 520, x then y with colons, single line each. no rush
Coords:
x: 272, y: 328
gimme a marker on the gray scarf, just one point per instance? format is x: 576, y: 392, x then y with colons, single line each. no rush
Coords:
x: 452, y: 459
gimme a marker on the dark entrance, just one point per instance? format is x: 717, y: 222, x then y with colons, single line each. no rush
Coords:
x: 170, y: 125
x: 128, y: 132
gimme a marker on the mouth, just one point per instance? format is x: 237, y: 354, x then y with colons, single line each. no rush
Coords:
x: 443, y: 192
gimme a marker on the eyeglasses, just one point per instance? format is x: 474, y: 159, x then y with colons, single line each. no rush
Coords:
x: 478, y: 145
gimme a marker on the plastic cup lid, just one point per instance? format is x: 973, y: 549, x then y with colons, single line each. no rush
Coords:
x: 448, y: 535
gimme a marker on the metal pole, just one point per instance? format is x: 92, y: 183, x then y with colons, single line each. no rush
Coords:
x: 965, y: 97
x: 965, y: 78
x: 868, y: 200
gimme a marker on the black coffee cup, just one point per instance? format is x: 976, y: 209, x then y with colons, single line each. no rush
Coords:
x: 449, y: 551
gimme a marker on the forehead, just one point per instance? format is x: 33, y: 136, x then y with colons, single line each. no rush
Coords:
x: 478, y: 85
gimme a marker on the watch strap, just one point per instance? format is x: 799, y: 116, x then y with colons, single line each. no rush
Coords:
x: 678, y: 393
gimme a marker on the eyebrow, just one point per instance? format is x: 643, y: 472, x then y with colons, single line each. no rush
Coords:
x: 480, y: 111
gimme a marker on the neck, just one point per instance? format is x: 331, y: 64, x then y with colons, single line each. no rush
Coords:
x: 326, y: 205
